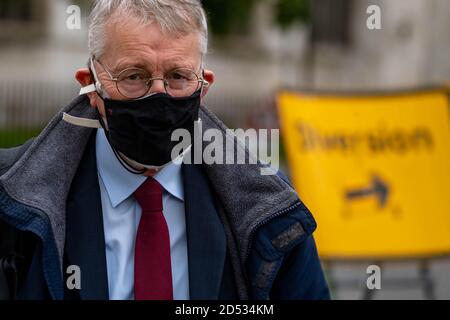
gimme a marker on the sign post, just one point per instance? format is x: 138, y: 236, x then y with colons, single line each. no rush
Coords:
x: 374, y: 170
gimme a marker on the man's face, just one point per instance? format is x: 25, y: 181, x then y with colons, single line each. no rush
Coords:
x: 130, y: 44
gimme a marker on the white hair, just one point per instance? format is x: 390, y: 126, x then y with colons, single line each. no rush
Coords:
x: 177, y: 17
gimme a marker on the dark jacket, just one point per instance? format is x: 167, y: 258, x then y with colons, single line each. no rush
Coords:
x: 249, y: 236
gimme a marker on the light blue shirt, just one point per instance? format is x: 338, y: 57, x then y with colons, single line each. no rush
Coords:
x: 121, y: 216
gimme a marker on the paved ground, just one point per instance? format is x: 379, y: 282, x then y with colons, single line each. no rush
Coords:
x: 399, y: 280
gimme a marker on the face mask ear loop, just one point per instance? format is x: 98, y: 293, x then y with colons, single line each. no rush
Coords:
x: 116, y: 153
x: 125, y: 165
x: 96, y: 81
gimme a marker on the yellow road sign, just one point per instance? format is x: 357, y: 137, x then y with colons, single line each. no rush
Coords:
x: 374, y: 170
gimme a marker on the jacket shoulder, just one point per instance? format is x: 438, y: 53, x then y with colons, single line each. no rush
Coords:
x: 11, y: 155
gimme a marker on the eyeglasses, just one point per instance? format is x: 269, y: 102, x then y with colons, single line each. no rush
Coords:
x: 135, y: 83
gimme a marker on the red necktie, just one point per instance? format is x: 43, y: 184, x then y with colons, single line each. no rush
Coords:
x: 152, y: 266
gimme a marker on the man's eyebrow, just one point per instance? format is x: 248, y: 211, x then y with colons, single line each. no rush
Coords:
x: 168, y: 66
x: 171, y: 65
x: 127, y: 65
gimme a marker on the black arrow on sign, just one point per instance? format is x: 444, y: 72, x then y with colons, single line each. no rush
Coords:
x: 378, y: 188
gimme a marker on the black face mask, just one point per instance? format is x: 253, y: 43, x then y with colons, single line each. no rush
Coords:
x: 142, y: 129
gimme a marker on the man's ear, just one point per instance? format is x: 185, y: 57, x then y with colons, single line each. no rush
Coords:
x: 208, y: 75
x: 83, y: 76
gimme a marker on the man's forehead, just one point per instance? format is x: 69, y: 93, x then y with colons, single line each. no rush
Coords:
x: 146, y: 45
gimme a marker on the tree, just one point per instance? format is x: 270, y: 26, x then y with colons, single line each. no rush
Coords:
x: 290, y: 11
x: 227, y: 16
x: 230, y: 16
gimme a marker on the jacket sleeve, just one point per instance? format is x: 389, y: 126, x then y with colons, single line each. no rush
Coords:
x: 301, y: 276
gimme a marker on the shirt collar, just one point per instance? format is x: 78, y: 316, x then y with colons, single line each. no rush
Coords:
x: 121, y: 184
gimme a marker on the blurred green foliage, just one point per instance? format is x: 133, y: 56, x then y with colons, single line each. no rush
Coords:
x: 15, y: 137
x: 291, y: 11
x: 228, y: 16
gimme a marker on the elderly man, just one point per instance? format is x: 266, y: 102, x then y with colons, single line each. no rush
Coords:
x: 97, y: 208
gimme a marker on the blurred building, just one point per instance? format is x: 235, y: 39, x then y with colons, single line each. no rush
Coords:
x: 340, y: 52
x: 22, y: 20
x: 38, y: 58
x: 336, y: 51
x: 39, y: 54
x: 410, y: 50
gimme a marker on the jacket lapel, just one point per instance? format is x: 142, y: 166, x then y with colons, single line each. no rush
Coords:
x: 205, y: 236
x: 85, y: 241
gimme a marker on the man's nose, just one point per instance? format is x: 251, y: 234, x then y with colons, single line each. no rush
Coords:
x: 158, y: 85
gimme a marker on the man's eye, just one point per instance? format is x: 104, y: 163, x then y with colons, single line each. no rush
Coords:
x: 178, y: 76
x: 134, y: 77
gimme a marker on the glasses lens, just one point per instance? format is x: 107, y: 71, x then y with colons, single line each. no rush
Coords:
x: 182, y: 83
x: 133, y: 83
